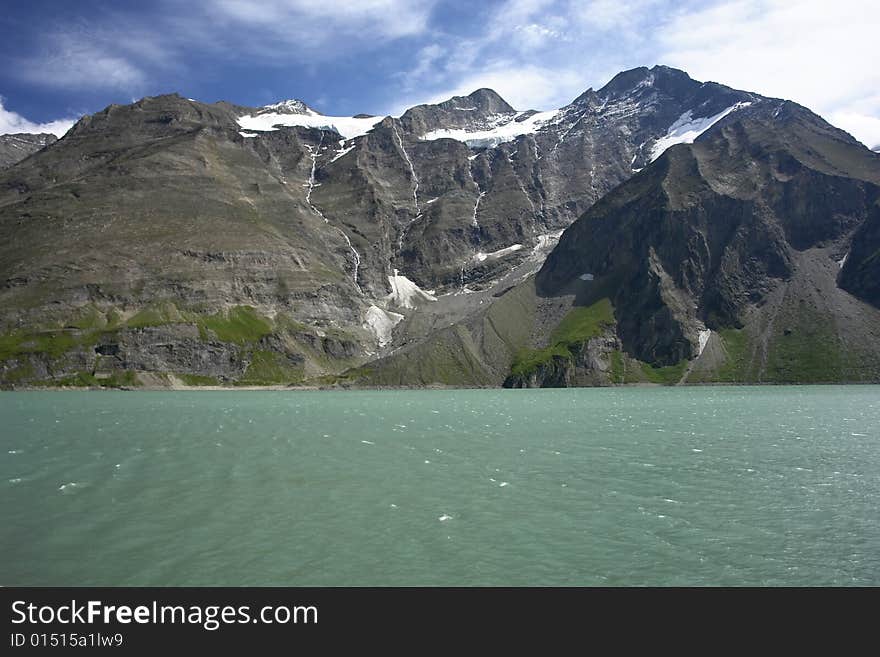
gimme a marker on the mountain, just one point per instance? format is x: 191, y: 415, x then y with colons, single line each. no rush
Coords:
x: 170, y: 241
x: 749, y: 255
x: 15, y: 147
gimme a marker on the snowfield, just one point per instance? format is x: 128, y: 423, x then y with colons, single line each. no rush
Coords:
x: 703, y: 338
x: 405, y: 293
x: 381, y: 323
x: 500, y: 253
x: 505, y: 128
x: 345, y: 126
x: 686, y: 129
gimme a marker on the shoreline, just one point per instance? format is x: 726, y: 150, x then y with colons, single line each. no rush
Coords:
x: 314, y: 388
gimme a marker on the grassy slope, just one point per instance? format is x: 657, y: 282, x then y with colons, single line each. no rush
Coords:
x: 576, y: 328
x: 474, y: 353
x: 242, y: 326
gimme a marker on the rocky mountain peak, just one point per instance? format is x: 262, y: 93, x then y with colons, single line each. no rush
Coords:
x: 588, y: 97
x: 473, y: 111
x: 292, y: 106
x: 16, y: 147
x: 625, y: 81
x: 153, y: 116
x: 642, y: 80
x: 488, y: 100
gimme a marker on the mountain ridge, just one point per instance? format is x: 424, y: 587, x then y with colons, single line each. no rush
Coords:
x: 167, y: 239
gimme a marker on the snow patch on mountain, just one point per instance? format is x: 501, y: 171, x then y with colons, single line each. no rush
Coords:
x: 297, y: 113
x: 703, y: 339
x: 343, y: 151
x: 405, y: 293
x: 500, y: 253
x: 501, y: 128
x: 293, y: 106
x: 381, y: 323
x: 686, y: 129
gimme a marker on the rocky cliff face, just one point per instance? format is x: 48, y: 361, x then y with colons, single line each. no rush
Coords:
x: 15, y: 147
x: 860, y: 266
x: 745, y: 233
x: 229, y: 244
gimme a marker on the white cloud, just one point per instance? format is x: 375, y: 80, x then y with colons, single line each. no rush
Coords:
x: 77, y: 60
x: 536, y: 53
x: 115, y: 51
x: 312, y: 24
x: 427, y: 60
x: 864, y: 128
x: 524, y: 87
x: 612, y: 14
x: 822, y: 55
x: 12, y: 122
x: 539, y: 53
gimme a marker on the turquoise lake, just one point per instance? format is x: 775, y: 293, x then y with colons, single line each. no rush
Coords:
x: 616, y: 486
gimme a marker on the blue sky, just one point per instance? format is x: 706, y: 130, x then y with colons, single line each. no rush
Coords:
x: 63, y: 59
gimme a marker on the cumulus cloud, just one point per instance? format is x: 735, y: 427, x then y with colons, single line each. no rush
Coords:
x: 524, y: 87
x: 822, y: 55
x: 12, y: 122
x: 536, y: 53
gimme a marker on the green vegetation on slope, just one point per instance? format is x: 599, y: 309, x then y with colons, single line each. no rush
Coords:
x: 625, y: 369
x: 240, y: 325
x: 618, y: 367
x: 667, y: 376
x: 269, y: 368
x: 198, y: 379
x: 159, y: 315
x: 350, y: 376
x: 581, y: 324
x: 576, y: 328
x: 88, y: 380
x: 809, y: 351
x: 450, y: 359
x: 51, y: 343
x: 736, y: 365
x: 92, y: 318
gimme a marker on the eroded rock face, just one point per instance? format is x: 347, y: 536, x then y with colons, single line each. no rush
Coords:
x: 588, y: 365
x: 177, y: 348
x: 860, y: 270
x: 706, y: 234
x: 16, y: 147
